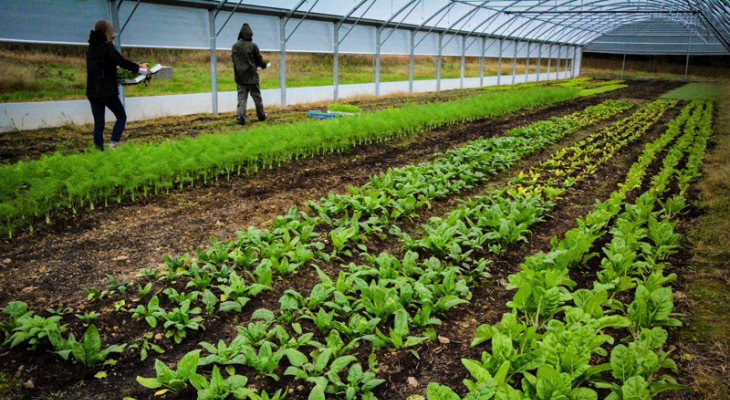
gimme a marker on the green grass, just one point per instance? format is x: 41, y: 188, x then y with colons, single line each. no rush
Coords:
x: 601, y: 89
x: 707, y: 284
x: 695, y: 91
x: 48, y: 73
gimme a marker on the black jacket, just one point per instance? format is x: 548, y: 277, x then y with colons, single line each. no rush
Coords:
x: 246, y: 57
x: 102, y: 60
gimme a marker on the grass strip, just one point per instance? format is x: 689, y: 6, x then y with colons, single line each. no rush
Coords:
x: 695, y: 91
x: 33, y: 190
x: 601, y: 89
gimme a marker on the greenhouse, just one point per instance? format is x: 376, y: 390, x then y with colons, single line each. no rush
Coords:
x: 425, y: 200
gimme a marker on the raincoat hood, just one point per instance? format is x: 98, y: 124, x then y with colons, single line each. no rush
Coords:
x: 96, y: 38
x: 246, y: 33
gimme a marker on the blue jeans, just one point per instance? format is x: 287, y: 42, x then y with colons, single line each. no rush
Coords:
x: 98, y: 106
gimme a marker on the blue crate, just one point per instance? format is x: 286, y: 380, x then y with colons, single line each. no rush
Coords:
x: 320, y: 115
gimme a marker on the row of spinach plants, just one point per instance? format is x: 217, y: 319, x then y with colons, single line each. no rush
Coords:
x: 35, y: 190
x: 552, y: 349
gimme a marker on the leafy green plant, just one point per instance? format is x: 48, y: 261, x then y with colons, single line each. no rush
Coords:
x: 635, y: 367
x: 88, y: 351
x: 13, y: 311
x: 151, y: 313
x: 145, y: 346
x: 178, y: 298
x: 652, y: 308
x: 312, y: 372
x: 144, y: 291
x: 220, y: 389
x: 399, y: 336
x: 179, y: 321
x: 88, y: 317
x: 116, y: 286
x: 223, y: 354
x: 266, y: 360
x: 173, y: 380
x: 94, y: 294
x: 60, y: 311
x: 33, y: 329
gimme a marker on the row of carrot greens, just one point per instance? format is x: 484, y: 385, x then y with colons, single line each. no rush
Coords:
x: 356, y: 307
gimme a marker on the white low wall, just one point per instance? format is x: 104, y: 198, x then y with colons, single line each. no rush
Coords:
x: 33, y: 115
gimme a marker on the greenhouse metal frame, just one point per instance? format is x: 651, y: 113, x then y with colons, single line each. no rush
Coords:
x: 556, y: 30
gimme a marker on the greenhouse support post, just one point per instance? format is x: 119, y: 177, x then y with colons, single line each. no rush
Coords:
x: 514, y: 62
x: 623, y: 67
x: 438, y: 62
x: 336, y: 62
x: 686, y: 66
x: 527, y: 63
x: 557, y: 62
x: 481, y: 63
x: 580, y: 66
x: 539, y: 60
x: 411, y: 61
x: 463, y: 61
x: 575, y: 56
x: 213, y: 61
x: 378, y: 32
x: 550, y: 59
x: 282, y: 61
x: 499, y: 63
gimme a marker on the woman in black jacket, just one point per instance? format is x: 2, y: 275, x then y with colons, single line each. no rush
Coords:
x: 102, y: 60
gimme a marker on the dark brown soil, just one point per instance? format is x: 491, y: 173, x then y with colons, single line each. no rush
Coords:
x: 52, y: 266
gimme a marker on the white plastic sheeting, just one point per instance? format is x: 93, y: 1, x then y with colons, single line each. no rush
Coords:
x: 24, y: 116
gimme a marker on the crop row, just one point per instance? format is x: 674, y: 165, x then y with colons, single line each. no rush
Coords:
x: 30, y: 191
x: 434, y: 289
x: 494, y: 221
x: 546, y: 346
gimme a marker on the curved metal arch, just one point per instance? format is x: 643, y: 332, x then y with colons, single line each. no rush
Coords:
x: 515, y: 19
x: 473, y: 12
x: 623, y: 20
x: 562, y: 27
x: 592, y: 5
x: 568, y: 40
x: 510, y: 22
x: 628, y: 18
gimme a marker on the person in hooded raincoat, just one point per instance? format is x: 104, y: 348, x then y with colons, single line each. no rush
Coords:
x: 102, y: 90
x: 246, y: 58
